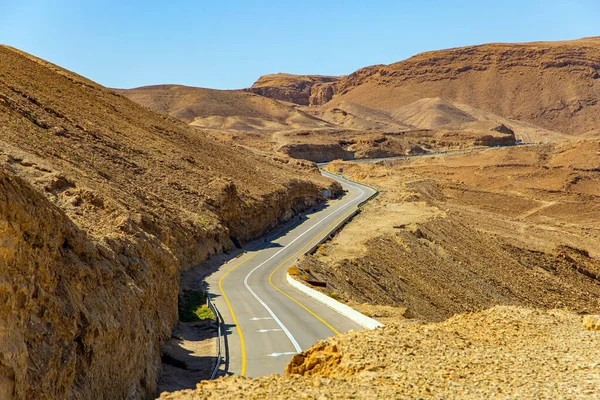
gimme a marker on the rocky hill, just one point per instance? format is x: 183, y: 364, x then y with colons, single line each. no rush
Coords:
x: 346, y: 131
x: 551, y: 84
x: 221, y: 109
x: 300, y: 89
x: 543, y: 92
x: 433, y: 114
x: 104, y: 203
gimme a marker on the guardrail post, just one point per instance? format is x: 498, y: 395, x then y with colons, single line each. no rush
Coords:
x: 218, y: 318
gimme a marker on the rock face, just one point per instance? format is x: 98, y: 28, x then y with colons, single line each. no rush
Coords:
x: 103, y: 204
x: 321, y: 93
x: 504, y: 137
x: 298, y: 89
x: 317, y: 152
x: 503, y: 129
x: 78, y: 317
x: 591, y: 322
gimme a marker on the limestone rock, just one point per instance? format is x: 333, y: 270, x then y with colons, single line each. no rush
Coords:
x: 591, y: 322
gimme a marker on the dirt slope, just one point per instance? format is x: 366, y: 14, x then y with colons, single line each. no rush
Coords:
x: 223, y: 109
x: 554, y: 85
x: 502, y: 353
x: 449, y: 234
x: 436, y: 114
x: 103, y: 204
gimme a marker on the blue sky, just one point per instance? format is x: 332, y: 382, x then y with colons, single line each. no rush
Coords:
x: 228, y: 44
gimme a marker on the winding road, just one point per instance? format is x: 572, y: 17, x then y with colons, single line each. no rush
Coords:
x: 266, y: 319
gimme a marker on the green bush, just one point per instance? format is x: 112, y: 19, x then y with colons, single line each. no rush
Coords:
x: 193, y: 307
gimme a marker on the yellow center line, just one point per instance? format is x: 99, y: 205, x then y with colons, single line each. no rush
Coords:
x: 242, y: 345
x: 294, y: 255
x: 239, y: 330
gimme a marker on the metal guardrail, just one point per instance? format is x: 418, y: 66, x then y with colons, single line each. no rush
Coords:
x: 219, y: 319
x: 216, y: 312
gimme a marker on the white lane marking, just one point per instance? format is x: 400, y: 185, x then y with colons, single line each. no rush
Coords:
x: 260, y: 319
x: 268, y: 330
x: 287, y: 332
x: 281, y: 354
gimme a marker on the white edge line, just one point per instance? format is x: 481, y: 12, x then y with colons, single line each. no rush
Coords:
x: 287, y: 332
x: 346, y: 311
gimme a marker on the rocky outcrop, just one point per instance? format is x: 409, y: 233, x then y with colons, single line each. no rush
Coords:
x: 321, y: 94
x: 494, y: 140
x: 79, y: 316
x: 504, y: 137
x: 317, y: 152
x: 591, y: 322
x: 298, y: 89
x: 503, y: 129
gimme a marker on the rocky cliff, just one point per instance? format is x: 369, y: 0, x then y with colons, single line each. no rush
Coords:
x: 298, y: 89
x: 103, y: 204
x: 317, y: 152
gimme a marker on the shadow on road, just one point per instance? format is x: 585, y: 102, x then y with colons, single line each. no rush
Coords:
x: 183, y: 364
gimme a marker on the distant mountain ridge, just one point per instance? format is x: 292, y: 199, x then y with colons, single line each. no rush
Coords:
x: 551, y: 84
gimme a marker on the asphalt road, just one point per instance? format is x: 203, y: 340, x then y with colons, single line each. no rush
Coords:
x: 266, y: 319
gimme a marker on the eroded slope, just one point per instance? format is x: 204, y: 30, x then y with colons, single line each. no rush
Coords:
x: 104, y: 203
x: 449, y: 234
x: 221, y: 109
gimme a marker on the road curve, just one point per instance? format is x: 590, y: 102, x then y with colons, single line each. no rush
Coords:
x: 266, y: 319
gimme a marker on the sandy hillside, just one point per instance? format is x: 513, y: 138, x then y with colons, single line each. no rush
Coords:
x: 502, y: 353
x: 434, y: 114
x: 551, y: 84
x: 223, y: 109
x: 349, y: 131
x: 104, y: 203
x: 449, y: 234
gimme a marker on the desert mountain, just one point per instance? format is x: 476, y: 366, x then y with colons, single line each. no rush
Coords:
x: 542, y: 92
x: 553, y: 85
x: 103, y: 204
x: 222, y: 109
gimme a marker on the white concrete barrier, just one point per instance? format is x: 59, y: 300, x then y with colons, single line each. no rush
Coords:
x: 346, y: 311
